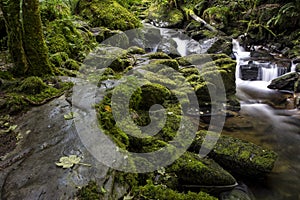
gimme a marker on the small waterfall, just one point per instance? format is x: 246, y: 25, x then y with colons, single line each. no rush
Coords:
x: 269, y: 73
x: 293, y: 67
x: 181, y: 46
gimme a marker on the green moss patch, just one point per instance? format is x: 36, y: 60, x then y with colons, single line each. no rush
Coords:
x: 107, y: 13
x: 238, y: 156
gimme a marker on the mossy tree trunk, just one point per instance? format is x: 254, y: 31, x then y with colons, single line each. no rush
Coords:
x: 12, y: 16
x: 26, y: 42
x: 33, y: 40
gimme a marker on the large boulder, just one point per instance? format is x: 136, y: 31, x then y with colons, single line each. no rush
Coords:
x: 107, y: 13
x: 237, y: 156
x: 289, y: 81
x: 165, y: 17
x: 193, y: 170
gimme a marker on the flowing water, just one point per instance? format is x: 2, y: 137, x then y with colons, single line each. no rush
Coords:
x: 278, y: 129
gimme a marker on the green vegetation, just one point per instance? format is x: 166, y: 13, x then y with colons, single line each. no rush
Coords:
x: 107, y: 13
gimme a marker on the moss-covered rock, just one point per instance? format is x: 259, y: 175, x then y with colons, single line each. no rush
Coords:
x: 222, y: 45
x: 32, y: 85
x: 192, y: 170
x: 237, y: 156
x: 65, y: 36
x: 167, y: 62
x: 136, y: 50
x: 163, y: 16
x: 107, y: 13
x: 151, y: 191
x: 210, y: 74
x: 158, y: 55
x: 217, y: 16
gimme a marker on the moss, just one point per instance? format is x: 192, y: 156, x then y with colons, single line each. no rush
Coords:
x: 64, y: 36
x: 53, y: 10
x: 136, y: 50
x: 163, y: 16
x: 153, y: 94
x: 31, y: 91
x: 58, y: 59
x: 151, y: 191
x: 222, y: 45
x: 32, y: 85
x: 71, y: 64
x: 14, y: 103
x: 192, y: 170
x: 217, y: 15
x: 92, y: 191
x: 158, y: 55
x: 238, y: 156
x: 107, y: 13
x: 168, y: 62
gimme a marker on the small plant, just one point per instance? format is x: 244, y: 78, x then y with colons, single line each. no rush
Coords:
x: 69, y: 161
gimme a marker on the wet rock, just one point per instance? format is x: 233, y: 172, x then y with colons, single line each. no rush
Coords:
x: 250, y: 71
x: 192, y: 170
x: 289, y: 81
x: 237, y: 156
x: 222, y: 45
x: 168, y: 62
x: 33, y: 174
x: 298, y: 68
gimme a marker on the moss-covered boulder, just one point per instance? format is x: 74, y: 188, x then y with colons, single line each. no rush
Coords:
x: 32, y: 85
x: 164, y: 16
x: 158, y: 55
x: 107, y: 13
x: 237, y: 156
x: 66, y: 36
x: 193, y: 170
x: 210, y: 75
x: 151, y: 191
x: 136, y: 50
x: 167, y: 62
x: 222, y: 45
x: 217, y: 16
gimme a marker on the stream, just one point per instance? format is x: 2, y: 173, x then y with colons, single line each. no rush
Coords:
x: 278, y: 129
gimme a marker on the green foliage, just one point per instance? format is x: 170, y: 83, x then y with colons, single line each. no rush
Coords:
x: 129, y: 3
x: 64, y: 36
x: 107, y: 13
x: 54, y: 9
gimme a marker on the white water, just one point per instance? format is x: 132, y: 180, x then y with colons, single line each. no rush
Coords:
x: 278, y: 128
x: 184, y: 44
x: 293, y: 67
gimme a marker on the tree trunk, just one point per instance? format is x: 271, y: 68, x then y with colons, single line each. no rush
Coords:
x: 12, y: 16
x: 33, y: 39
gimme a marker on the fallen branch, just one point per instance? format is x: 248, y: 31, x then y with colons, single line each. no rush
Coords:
x: 191, y: 13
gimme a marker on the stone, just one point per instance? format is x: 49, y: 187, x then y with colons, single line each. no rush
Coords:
x: 235, y: 155
x: 193, y: 170
x: 289, y: 81
x: 249, y: 71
